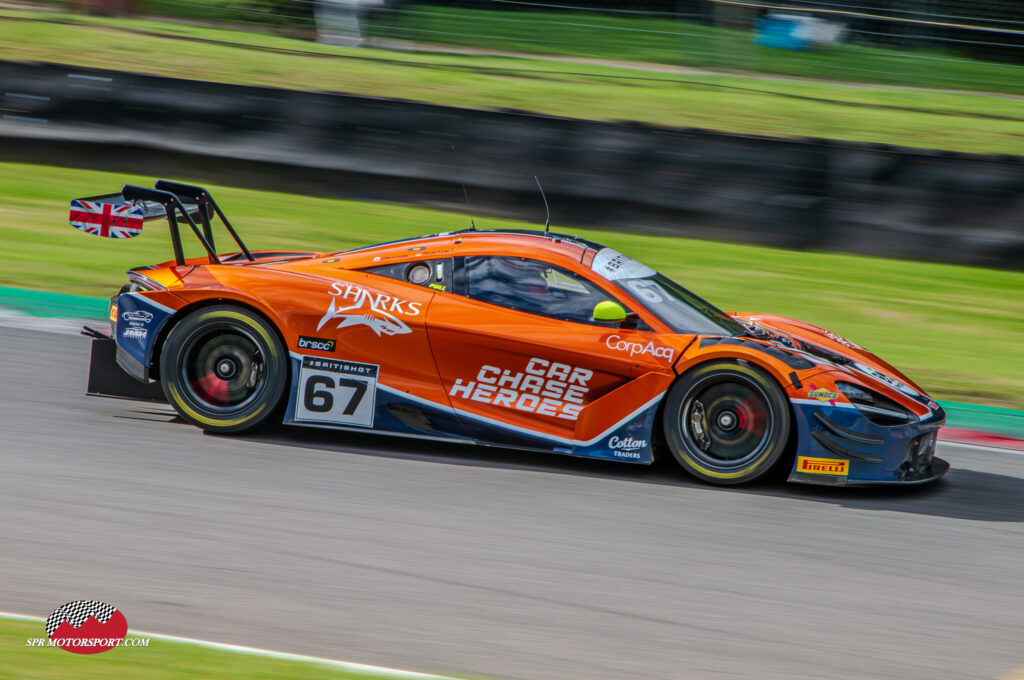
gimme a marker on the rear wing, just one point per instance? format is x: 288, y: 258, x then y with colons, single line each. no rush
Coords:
x: 122, y: 215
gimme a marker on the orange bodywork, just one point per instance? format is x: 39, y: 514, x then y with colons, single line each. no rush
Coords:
x: 571, y: 382
x: 527, y: 339
x: 454, y: 367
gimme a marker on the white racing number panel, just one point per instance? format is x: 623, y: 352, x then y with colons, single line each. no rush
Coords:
x: 336, y: 392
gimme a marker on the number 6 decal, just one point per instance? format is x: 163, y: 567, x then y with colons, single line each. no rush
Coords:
x: 318, y: 401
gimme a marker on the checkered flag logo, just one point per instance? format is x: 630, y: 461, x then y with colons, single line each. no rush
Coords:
x: 85, y: 627
x: 76, y: 614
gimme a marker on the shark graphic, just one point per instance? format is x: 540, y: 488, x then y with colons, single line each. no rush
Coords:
x: 379, y: 321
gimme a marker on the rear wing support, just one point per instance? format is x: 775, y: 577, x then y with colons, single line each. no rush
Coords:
x: 172, y: 205
x: 122, y: 215
x: 204, y: 200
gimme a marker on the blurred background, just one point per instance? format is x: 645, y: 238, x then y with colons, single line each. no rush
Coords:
x: 913, y: 42
x: 854, y: 163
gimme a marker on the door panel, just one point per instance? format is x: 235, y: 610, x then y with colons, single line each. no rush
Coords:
x: 532, y: 373
x: 370, y: 330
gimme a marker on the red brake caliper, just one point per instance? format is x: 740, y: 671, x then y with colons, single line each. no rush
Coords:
x: 215, y: 389
x: 751, y: 416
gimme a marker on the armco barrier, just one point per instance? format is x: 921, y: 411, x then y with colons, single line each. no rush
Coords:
x: 793, y: 193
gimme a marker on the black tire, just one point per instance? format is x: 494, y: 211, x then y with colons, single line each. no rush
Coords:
x: 727, y: 423
x: 224, y: 369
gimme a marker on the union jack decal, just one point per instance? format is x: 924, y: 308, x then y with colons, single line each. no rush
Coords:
x: 106, y: 219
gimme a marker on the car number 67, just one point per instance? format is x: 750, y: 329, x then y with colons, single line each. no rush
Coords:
x: 321, y: 400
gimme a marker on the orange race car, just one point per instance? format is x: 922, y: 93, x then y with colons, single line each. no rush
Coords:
x: 525, y: 339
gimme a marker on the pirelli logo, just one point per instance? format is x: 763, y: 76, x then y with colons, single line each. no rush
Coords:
x: 822, y: 466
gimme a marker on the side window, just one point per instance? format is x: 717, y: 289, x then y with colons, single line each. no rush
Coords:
x: 532, y: 286
x: 434, y: 274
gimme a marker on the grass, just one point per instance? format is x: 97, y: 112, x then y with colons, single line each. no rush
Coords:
x: 957, y: 330
x: 161, y: 660
x: 609, y: 36
x: 747, y: 105
x: 671, y: 41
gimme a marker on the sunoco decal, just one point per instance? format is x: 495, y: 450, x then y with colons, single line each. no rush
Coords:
x: 823, y: 395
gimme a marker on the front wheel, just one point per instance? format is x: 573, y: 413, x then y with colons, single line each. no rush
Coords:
x: 727, y: 423
x: 224, y: 369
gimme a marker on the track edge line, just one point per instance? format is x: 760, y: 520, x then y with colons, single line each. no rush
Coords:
x: 353, y: 667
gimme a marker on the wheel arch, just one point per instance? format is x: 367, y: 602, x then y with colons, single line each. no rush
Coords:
x: 781, y: 379
x: 184, y: 312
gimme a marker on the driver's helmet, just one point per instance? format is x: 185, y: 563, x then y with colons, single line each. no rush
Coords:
x: 529, y: 275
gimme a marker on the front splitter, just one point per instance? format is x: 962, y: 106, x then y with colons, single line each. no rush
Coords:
x: 937, y: 470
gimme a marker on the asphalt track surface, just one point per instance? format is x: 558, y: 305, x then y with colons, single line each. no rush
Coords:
x: 493, y: 562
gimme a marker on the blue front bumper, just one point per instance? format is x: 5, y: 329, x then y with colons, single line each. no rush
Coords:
x: 863, y: 453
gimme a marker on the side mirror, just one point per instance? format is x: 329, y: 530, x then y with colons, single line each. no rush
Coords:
x: 607, y: 310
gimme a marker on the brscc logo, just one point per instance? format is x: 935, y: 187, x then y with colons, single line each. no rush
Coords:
x: 86, y: 627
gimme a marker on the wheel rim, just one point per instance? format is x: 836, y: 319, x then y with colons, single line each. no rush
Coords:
x: 223, y: 369
x: 727, y: 422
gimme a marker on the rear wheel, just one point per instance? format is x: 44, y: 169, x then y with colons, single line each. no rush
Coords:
x: 224, y: 369
x: 727, y: 423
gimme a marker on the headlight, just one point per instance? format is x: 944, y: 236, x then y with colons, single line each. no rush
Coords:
x: 897, y: 385
x: 855, y: 394
x: 877, y: 408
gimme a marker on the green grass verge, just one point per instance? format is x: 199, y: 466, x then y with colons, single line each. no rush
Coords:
x: 625, y: 37
x: 161, y: 660
x: 705, y: 101
x: 671, y: 41
x: 957, y: 330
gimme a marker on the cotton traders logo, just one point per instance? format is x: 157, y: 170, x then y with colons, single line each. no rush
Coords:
x: 626, y: 447
x: 626, y: 443
x: 376, y: 310
x: 85, y: 627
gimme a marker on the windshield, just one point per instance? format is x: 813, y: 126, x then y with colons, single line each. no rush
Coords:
x: 680, y: 309
x: 683, y: 311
